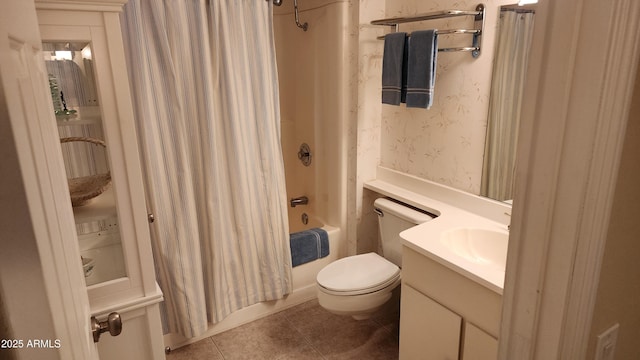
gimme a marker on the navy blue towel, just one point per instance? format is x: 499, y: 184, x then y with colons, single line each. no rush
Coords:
x: 394, y: 68
x: 308, y: 245
x: 421, y: 68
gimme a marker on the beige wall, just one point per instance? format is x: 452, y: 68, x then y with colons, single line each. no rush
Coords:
x: 369, y: 117
x: 445, y: 143
x: 618, y: 299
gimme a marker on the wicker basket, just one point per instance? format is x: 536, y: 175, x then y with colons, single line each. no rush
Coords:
x: 83, y: 189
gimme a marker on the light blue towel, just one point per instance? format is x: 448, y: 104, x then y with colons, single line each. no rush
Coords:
x: 308, y: 245
x: 394, y: 68
x: 421, y: 68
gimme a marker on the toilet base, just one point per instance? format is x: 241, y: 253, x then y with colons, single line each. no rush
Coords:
x: 360, y: 307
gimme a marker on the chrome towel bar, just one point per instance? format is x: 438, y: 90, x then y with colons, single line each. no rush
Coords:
x: 428, y: 16
x: 476, y: 32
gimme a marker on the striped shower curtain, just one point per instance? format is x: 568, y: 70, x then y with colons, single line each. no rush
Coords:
x: 205, y: 89
x: 507, y: 88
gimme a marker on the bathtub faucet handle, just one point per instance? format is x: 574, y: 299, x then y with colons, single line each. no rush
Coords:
x: 304, y: 154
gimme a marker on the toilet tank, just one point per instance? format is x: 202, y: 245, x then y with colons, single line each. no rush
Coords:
x: 394, y: 218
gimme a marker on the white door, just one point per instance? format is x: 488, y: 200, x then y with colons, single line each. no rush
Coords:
x: 44, y: 309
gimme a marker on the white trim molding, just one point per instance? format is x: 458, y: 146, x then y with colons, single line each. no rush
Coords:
x: 39, y: 255
x: 580, y: 81
x: 622, y: 49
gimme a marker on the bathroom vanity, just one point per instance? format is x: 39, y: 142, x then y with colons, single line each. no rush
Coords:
x: 453, y: 270
x: 445, y: 315
x: 84, y: 60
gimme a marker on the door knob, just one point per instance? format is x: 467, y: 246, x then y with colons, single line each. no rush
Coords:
x: 113, y: 325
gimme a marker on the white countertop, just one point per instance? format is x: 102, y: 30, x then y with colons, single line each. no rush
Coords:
x: 425, y: 238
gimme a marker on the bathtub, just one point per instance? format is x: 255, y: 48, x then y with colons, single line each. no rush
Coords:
x: 304, y: 289
x: 304, y: 276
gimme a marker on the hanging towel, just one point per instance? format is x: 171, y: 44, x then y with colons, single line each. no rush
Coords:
x: 308, y: 245
x: 394, y: 68
x: 421, y: 68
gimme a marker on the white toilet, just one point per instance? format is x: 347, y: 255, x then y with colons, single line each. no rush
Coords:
x: 359, y: 285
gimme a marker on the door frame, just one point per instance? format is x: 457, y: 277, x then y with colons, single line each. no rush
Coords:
x: 577, y: 99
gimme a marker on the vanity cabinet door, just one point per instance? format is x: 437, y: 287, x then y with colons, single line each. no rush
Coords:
x: 428, y: 330
x: 478, y: 345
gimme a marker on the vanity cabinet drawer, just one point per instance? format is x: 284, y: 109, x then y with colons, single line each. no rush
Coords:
x: 428, y: 330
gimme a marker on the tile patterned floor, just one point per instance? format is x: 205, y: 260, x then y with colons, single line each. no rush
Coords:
x: 306, y: 331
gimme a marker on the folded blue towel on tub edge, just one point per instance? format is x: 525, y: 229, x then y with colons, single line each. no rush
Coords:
x: 308, y: 245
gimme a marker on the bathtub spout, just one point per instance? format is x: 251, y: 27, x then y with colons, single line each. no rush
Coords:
x: 302, y: 200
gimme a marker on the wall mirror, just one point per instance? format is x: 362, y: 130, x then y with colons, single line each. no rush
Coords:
x: 74, y: 93
x: 515, y: 29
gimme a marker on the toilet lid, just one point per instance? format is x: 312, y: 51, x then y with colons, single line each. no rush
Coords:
x: 359, y: 272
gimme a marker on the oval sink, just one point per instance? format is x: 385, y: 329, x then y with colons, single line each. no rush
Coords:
x: 481, y: 246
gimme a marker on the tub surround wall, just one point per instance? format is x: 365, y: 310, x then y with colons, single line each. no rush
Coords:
x: 314, y: 105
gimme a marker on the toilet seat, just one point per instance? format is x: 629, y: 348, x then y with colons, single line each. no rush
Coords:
x: 357, y: 275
